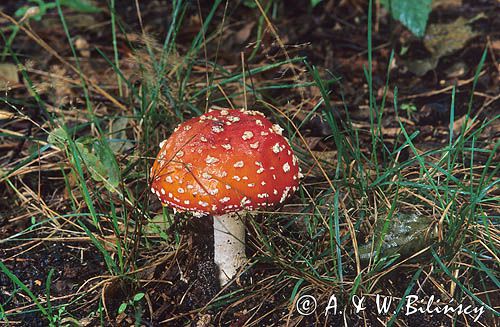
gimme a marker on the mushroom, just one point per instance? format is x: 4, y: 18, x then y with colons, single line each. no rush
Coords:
x: 221, y: 163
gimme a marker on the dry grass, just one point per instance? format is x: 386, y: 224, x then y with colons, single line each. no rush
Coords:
x: 83, y: 236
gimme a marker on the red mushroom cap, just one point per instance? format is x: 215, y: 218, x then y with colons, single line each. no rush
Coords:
x: 225, y: 161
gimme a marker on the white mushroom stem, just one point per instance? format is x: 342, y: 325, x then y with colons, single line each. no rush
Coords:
x: 229, y: 245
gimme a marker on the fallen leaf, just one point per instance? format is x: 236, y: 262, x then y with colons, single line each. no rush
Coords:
x: 420, y: 67
x: 457, y: 70
x: 328, y: 156
x: 458, y: 124
x: 325, y: 158
x: 82, y: 45
x: 405, y: 235
x: 445, y: 39
x: 243, y: 34
x: 8, y: 76
x: 118, y: 141
x: 391, y: 131
x: 313, y: 141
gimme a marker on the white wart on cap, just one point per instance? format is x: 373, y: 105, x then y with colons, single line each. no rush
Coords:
x: 225, y: 161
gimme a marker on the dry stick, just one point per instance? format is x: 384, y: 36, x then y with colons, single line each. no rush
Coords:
x: 46, y: 211
x: 139, y: 15
x: 32, y: 35
x: 493, y: 254
x: 253, y: 320
x: 225, y: 96
x: 443, y: 90
x: 76, y: 239
x: 486, y: 104
x: 492, y: 53
x: 202, y: 309
x: 244, y: 81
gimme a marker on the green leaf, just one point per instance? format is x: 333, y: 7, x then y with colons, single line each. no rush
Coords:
x: 100, y: 163
x: 314, y: 3
x: 122, y: 307
x: 21, y: 285
x: 93, y: 164
x: 80, y: 5
x: 21, y: 11
x: 58, y: 137
x: 296, y: 289
x: 138, y: 297
x: 412, y: 14
x: 405, y: 235
x: 157, y: 224
x: 108, y: 162
x: 250, y: 4
x: 84, y: 6
x: 100, y: 166
x: 118, y: 141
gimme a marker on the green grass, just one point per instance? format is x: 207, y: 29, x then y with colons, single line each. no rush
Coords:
x: 348, y: 204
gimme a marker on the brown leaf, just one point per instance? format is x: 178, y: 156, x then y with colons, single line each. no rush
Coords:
x: 8, y: 76
x: 243, y: 34
x: 325, y: 158
x: 445, y: 39
x: 458, y: 124
x: 313, y: 141
x: 328, y: 156
x: 391, y: 131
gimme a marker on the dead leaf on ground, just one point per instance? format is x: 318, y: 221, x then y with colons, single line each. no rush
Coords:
x: 204, y: 320
x: 407, y: 234
x: 442, y: 40
x: 313, y: 141
x: 458, y: 124
x: 243, y: 34
x: 82, y: 46
x: 457, y: 70
x: 420, y: 67
x: 8, y: 76
x: 118, y: 141
x: 325, y: 158
x: 328, y: 156
x: 391, y: 131
x: 445, y: 39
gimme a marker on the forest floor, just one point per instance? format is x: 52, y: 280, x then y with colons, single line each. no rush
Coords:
x: 397, y: 138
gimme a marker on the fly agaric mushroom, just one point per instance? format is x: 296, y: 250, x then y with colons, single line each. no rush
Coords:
x: 220, y: 163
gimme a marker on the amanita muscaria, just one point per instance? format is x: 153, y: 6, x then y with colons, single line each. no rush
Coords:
x: 221, y: 163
